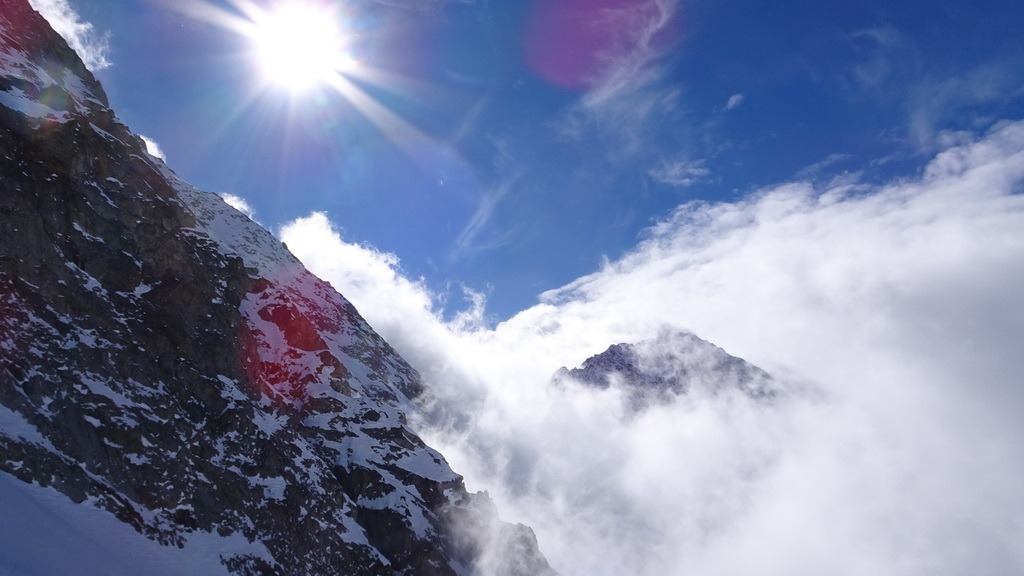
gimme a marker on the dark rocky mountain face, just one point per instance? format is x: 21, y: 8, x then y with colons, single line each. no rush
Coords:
x: 672, y: 364
x: 168, y: 360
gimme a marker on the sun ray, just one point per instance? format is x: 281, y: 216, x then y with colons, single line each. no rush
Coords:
x: 398, y: 83
x: 300, y: 49
x: 241, y: 23
x: 399, y: 131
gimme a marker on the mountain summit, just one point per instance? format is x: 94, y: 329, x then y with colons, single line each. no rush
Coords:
x: 668, y: 366
x: 166, y: 360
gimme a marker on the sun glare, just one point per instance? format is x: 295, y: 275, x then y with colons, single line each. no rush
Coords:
x: 299, y: 45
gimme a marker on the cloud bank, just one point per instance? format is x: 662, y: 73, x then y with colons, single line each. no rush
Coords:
x: 92, y: 47
x: 893, y: 311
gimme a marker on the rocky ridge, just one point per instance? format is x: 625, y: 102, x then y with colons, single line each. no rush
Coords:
x: 164, y: 358
x: 671, y: 365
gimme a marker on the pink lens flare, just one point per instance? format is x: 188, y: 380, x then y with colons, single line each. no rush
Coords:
x: 573, y: 43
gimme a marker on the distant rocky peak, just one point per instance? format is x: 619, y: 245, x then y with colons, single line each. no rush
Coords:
x: 674, y: 363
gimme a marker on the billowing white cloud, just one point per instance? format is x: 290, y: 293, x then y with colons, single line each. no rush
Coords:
x: 239, y: 203
x: 92, y: 47
x: 401, y: 309
x: 734, y: 101
x: 154, y: 149
x: 895, y: 307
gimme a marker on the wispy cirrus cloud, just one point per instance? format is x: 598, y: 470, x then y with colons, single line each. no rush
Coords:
x: 882, y: 51
x: 628, y: 64
x: 899, y: 301
x: 890, y: 65
x: 625, y: 94
x: 469, y: 240
x: 680, y: 173
x: 823, y: 166
x: 932, y: 103
x: 479, y: 235
x: 92, y: 47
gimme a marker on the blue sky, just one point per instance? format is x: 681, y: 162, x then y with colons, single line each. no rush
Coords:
x: 551, y: 133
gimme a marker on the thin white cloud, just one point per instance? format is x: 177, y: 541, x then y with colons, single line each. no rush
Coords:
x: 628, y: 64
x: 238, y: 203
x: 626, y: 95
x: 680, y: 173
x: 889, y: 66
x: 468, y: 241
x: 626, y: 122
x: 734, y: 101
x: 931, y: 104
x: 899, y: 302
x: 92, y: 47
x: 881, y: 50
x: 813, y: 170
x: 153, y: 148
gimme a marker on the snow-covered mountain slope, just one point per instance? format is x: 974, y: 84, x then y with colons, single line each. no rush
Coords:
x: 303, y: 334
x: 670, y: 365
x: 167, y: 364
x: 49, y: 534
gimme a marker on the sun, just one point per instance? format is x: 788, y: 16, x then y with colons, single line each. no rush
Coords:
x: 299, y: 45
x: 305, y: 49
